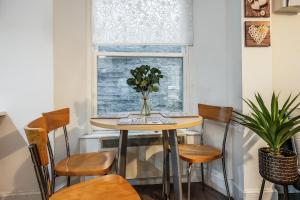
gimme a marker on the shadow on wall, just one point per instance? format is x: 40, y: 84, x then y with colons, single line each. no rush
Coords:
x: 17, y: 174
x: 80, y: 111
x: 76, y: 128
x: 249, y: 141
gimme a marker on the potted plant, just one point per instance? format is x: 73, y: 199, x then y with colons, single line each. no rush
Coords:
x: 275, y: 126
x: 144, y: 80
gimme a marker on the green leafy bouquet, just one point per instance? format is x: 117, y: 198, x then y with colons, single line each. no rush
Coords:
x: 145, y: 79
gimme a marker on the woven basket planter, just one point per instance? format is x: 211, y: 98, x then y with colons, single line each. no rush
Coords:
x: 279, y: 169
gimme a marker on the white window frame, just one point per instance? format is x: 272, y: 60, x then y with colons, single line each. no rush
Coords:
x: 183, y: 54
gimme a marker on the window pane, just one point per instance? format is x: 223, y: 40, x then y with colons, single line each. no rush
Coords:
x: 114, y: 95
x: 141, y: 48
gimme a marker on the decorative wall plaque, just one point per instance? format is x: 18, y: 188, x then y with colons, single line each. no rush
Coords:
x: 257, y: 8
x: 257, y: 34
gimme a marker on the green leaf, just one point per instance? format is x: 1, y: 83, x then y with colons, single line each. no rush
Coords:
x: 273, y: 125
x: 155, y: 88
x: 144, y: 83
x: 145, y: 79
x: 131, y: 81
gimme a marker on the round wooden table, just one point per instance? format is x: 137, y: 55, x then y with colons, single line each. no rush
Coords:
x: 169, y: 139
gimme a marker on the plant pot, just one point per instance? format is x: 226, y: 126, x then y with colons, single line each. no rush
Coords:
x: 280, y: 169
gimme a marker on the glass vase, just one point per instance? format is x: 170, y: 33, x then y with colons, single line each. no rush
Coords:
x: 145, y: 106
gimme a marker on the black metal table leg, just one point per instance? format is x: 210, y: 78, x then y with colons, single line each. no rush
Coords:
x: 286, y: 192
x: 166, y: 166
x: 262, y: 189
x: 175, y: 165
x: 122, y: 152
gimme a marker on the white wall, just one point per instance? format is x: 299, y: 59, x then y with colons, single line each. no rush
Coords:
x: 285, y: 56
x: 70, y: 64
x: 71, y: 69
x: 215, y: 63
x: 286, y: 52
x: 215, y: 72
x: 256, y: 77
x: 25, y: 86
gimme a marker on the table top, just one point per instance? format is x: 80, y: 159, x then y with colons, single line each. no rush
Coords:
x: 2, y: 114
x: 184, y: 122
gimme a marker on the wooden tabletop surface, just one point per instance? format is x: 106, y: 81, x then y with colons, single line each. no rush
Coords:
x: 184, y: 122
x: 2, y: 114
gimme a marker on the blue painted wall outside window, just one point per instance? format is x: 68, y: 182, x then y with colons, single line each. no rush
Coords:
x: 113, y: 93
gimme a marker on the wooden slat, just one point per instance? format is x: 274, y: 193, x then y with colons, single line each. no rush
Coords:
x: 57, y: 119
x: 195, y: 153
x: 217, y: 113
x: 36, y: 134
x: 91, y: 164
x: 109, y: 187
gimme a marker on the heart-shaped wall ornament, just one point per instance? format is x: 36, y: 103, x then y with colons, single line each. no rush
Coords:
x: 257, y: 4
x: 258, y: 33
x: 257, y: 8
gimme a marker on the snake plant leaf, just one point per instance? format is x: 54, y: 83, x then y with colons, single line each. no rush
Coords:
x: 262, y: 105
x: 289, y: 104
x: 274, y: 124
x: 274, y: 106
x: 284, y: 107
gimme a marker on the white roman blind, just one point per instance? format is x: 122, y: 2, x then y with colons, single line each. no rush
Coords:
x: 142, y: 22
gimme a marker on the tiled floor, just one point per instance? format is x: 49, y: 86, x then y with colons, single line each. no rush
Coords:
x: 153, y: 192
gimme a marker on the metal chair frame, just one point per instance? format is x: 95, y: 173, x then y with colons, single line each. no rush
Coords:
x: 52, y: 163
x: 42, y: 173
x: 223, y: 157
x: 166, y: 171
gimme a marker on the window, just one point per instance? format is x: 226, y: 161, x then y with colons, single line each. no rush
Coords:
x: 131, y: 33
x: 113, y: 66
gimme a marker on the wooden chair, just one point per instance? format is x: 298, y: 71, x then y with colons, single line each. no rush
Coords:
x: 109, y: 187
x: 200, y: 153
x: 85, y: 164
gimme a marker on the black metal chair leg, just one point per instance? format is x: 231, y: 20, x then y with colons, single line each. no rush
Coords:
x: 116, y: 165
x: 163, y: 183
x: 164, y: 190
x: 188, y: 172
x: 225, y: 178
x: 286, y: 192
x: 262, y: 189
x: 69, y: 181
x: 202, y: 176
x: 53, y: 184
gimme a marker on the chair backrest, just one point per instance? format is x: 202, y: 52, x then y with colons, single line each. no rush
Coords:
x: 36, y: 134
x: 216, y: 113
x: 219, y: 114
x: 58, y: 119
x: 38, y: 139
